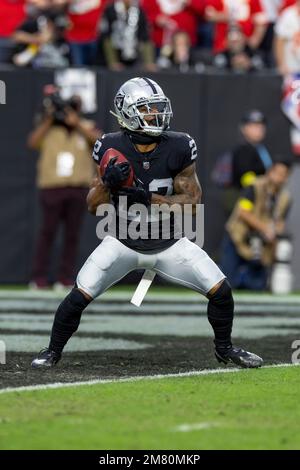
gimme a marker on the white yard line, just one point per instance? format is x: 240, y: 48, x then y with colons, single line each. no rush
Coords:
x: 194, y: 427
x: 195, y: 373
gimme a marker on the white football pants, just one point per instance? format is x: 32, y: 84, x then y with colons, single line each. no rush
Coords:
x: 183, y: 263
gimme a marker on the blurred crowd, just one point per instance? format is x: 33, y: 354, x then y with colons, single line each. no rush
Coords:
x: 237, y: 35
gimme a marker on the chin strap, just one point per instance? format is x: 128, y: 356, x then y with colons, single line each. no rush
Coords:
x: 143, y: 139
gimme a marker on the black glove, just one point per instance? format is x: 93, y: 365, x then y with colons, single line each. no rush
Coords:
x: 115, y: 173
x: 136, y: 195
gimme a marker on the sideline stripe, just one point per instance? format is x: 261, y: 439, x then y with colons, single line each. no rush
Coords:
x: 185, y: 296
x: 134, y: 379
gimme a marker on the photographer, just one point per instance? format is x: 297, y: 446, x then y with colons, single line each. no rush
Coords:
x: 258, y: 219
x: 64, y: 171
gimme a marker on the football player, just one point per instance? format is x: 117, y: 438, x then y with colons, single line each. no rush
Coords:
x: 164, y: 167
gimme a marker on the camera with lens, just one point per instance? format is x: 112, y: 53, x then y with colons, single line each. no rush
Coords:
x: 58, y: 106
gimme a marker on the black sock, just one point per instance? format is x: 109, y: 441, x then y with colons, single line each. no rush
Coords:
x: 67, y: 319
x: 220, y: 315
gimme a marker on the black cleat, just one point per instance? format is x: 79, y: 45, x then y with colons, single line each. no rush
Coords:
x: 45, y: 359
x: 239, y: 357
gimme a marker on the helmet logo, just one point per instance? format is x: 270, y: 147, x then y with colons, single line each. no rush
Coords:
x: 119, y: 102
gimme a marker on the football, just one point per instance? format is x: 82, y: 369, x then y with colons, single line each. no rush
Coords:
x: 112, y: 153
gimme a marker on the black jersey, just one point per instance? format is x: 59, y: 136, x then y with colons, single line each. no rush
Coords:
x: 156, y: 170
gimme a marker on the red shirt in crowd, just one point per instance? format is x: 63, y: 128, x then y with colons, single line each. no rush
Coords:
x: 245, y: 12
x: 287, y: 3
x: 12, y: 14
x: 84, y: 16
x: 184, y: 14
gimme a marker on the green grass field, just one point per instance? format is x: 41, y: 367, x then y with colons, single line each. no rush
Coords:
x: 251, y: 409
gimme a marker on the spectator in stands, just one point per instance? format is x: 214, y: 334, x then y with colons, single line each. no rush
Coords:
x: 168, y: 16
x: 82, y: 36
x: 287, y: 40
x: 253, y: 228
x: 64, y: 140
x: 238, y: 57
x: 40, y: 38
x: 125, y: 36
x: 180, y: 55
x: 286, y: 3
x: 12, y: 14
x: 247, y: 14
x: 271, y: 9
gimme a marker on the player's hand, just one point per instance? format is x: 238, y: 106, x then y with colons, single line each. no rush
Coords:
x: 115, y: 173
x: 136, y: 195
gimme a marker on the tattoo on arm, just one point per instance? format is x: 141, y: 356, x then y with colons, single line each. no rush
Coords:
x: 186, y: 187
x: 98, y: 194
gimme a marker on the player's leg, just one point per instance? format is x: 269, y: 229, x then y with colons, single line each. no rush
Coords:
x: 108, y: 263
x: 187, y: 264
x: 220, y: 315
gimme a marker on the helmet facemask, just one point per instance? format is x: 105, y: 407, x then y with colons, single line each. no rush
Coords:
x: 153, y: 115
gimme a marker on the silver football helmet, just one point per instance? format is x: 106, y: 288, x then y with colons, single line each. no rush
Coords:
x: 142, y: 106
